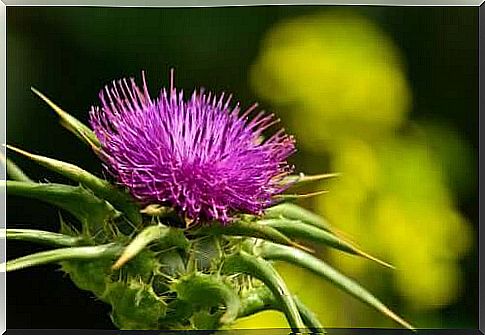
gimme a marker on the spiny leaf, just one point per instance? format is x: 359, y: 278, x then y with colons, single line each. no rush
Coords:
x: 172, y: 263
x: 204, y: 290
x: 257, y: 267
x: 271, y: 251
x: 248, y: 229
x: 257, y: 300
x: 302, y: 178
x: 72, y: 124
x: 134, y: 305
x: 13, y: 171
x: 101, y: 188
x: 63, y: 254
x: 295, y: 212
x: 81, y: 203
x: 205, y: 251
x: 40, y: 236
x: 144, y: 238
x: 299, y: 230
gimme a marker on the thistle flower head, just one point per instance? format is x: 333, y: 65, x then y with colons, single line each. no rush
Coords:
x: 200, y: 155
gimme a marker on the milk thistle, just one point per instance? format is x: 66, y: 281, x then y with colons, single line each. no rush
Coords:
x: 199, y: 156
x: 184, y: 232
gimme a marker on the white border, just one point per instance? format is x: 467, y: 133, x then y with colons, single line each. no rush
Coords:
x: 3, y: 171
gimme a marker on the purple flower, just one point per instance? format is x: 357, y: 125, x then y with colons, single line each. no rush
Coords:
x: 201, y: 156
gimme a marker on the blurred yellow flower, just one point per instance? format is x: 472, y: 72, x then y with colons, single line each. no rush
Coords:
x: 338, y: 70
x: 407, y: 217
x: 341, y: 82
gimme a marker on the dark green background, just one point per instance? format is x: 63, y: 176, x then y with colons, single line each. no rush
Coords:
x: 70, y: 53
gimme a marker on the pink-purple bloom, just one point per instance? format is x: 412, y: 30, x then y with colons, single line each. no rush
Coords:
x: 202, y: 156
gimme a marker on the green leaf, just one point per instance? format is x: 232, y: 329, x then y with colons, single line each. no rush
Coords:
x: 40, y: 236
x: 72, y: 124
x: 63, y: 254
x: 271, y: 251
x: 101, y: 188
x: 297, y: 229
x: 295, y: 212
x: 246, y: 229
x: 81, y: 203
x: 257, y: 267
x: 13, y: 171
x: 144, y: 238
x: 206, y: 291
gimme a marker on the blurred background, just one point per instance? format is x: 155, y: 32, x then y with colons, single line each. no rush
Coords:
x: 388, y: 96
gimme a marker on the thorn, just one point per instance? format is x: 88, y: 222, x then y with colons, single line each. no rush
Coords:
x: 120, y: 262
x: 155, y: 210
x: 93, y: 146
x: 302, y: 247
x: 17, y: 150
x: 300, y: 196
x: 302, y: 178
x: 189, y: 223
x: 63, y: 116
x: 375, y: 259
x: 56, y: 108
x: 172, y: 72
x: 320, y: 176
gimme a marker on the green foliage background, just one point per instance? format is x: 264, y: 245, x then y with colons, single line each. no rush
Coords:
x: 388, y: 96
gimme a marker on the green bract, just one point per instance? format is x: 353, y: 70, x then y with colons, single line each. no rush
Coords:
x: 157, y: 276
